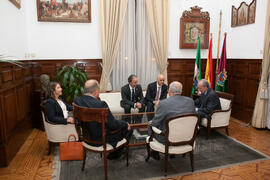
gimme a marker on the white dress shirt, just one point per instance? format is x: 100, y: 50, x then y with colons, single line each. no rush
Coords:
x: 63, y: 107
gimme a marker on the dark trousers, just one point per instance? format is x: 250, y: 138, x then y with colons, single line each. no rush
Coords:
x: 127, y: 108
x: 150, y: 107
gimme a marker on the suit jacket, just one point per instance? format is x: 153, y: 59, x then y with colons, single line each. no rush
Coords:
x: 171, y: 107
x: 126, y: 95
x: 206, y: 104
x: 94, y: 128
x: 152, y: 91
x: 55, y: 112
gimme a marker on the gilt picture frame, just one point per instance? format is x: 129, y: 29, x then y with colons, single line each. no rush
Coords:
x: 64, y: 11
x: 17, y: 3
x: 194, y: 23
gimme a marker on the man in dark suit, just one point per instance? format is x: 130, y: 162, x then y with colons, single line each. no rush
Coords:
x: 156, y: 91
x: 208, y: 100
x: 90, y: 100
x: 132, y: 96
x: 173, y: 106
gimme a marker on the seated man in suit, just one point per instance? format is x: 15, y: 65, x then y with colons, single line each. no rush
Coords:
x: 90, y: 100
x: 208, y: 100
x: 173, y: 106
x: 132, y: 96
x: 156, y: 91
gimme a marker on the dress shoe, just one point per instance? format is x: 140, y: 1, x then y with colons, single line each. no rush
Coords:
x: 116, y: 154
x: 129, y: 134
x: 155, y: 155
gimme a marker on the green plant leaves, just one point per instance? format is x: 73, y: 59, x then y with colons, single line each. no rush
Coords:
x: 72, y: 80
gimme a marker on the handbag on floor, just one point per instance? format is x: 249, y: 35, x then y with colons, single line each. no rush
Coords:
x: 71, y: 150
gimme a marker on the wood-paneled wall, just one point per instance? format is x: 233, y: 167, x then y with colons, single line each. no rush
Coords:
x: 243, y: 81
x: 20, y: 99
x: 20, y: 92
x: 15, y: 112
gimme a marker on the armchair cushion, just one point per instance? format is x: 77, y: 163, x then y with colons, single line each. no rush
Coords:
x: 157, y: 146
x: 225, y: 103
x: 58, y: 132
x: 113, y: 100
x: 108, y: 146
x: 219, y: 118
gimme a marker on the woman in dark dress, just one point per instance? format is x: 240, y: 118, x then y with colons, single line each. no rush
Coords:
x: 57, y: 109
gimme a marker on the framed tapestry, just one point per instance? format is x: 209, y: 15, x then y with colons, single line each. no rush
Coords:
x: 17, y: 3
x: 194, y: 23
x: 244, y: 14
x: 64, y: 10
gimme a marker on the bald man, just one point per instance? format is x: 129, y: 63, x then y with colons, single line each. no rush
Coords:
x: 90, y: 100
x: 156, y: 91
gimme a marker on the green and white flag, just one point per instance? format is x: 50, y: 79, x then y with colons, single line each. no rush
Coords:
x: 197, y: 68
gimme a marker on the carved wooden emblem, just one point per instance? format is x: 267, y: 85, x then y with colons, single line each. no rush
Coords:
x: 194, y: 23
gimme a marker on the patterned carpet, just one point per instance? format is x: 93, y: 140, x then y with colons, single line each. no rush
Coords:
x: 31, y: 162
x: 217, y: 152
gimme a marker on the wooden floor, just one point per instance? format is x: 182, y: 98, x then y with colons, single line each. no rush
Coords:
x: 31, y: 162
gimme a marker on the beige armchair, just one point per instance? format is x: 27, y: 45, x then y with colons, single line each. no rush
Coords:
x: 179, y: 138
x: 56, y: 133
x: 98, y: 115
x: 219, y: 118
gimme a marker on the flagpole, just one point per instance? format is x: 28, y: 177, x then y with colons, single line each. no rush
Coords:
x: 220, y: 15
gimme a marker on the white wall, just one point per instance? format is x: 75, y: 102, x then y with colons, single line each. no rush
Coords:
x: 242, y: 41
x: 57, y: 40
x: 13, y: 39
x: 21, y: 33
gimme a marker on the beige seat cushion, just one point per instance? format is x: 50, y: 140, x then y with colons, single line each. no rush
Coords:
x: 157, y: 146
x: 108, y: 146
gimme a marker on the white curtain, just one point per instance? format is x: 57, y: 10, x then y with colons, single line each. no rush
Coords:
x: 158, y: 20
x: 147, y: 70
x: 135, y: 51
x: 268, y: 111
x: 112, y: 15
x: 259, y: 118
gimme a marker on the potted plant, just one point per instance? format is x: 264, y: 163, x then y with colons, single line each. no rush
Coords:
x: 6, y: 59
x: 72, y: 80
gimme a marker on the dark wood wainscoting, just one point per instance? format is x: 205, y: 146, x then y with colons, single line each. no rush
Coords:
x: 15, y: 108
x: 20, y: 99
x: 243, y: 81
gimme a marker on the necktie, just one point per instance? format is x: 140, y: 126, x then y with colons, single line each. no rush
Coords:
x: 133, y: 95
x: 157, y: 95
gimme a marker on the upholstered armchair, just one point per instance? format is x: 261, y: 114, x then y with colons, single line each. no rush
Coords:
x: 56, y: 133
x: 98, y: 115
x: 219, y: 118
x: 179, y: 136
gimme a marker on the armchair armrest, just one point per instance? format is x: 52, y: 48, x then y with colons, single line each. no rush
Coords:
x: 156, y: 130
x: 219, y: 111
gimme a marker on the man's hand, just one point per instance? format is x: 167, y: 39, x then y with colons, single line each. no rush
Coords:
x: 156, y: 103
x: 70, y: 120
x: 129, y: 127
x: 138, y: 105
x: 149, y: 122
